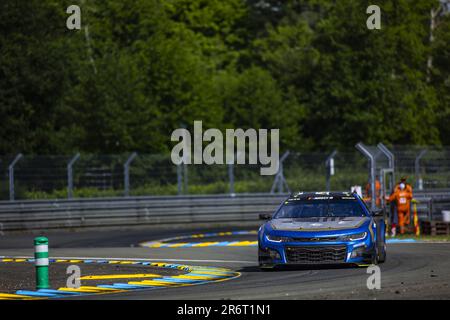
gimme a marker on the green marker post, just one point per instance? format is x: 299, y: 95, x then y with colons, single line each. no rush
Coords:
x: 41, y: 262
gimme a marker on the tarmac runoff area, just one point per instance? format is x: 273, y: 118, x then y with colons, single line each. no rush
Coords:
x: 413, y: 270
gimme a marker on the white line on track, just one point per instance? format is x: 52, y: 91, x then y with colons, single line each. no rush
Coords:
x: 129, y: 259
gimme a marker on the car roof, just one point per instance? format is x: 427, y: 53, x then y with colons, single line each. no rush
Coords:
x: 323, y: 195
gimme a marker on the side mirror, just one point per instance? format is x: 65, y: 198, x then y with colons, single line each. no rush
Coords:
x: 265, y: 216
x: 378, y: 212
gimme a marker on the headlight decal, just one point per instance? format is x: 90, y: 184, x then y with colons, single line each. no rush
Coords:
x: 277, y: 238
x: 354, y: 237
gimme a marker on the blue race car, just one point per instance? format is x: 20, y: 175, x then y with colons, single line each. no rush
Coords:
x: 322, y: 228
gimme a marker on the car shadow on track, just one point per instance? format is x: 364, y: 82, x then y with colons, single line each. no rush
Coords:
x: 299, y: 268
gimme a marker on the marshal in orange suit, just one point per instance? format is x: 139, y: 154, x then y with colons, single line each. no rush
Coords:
x: 402, y: 196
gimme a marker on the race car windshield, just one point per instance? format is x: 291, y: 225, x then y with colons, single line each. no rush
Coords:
x: 320, y: 208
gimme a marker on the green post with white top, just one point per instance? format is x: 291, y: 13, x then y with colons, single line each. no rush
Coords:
x: 41, y: 262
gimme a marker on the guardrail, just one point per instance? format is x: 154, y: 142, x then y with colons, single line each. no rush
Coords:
x: 431, y: 203
x: 134, y: 211
x: 156, y: 210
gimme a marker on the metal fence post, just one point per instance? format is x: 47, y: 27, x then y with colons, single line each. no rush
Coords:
x: 180, y: 179
x: 230, y: 165
x: 430, y: 209
x: 391, y: 160
x: 186, y: 160
x: 185, y: 173
x: 11, y: 176
x: 231, y: 177
x: 363, y: 149
x: 280, y: 181
x: 70, y: 175
x: 126, y: 173
x: 329, y: 164
x: 419, y: 183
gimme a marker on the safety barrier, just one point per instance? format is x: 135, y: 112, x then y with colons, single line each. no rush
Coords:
x: 134, y: 211
x: 155, y: 210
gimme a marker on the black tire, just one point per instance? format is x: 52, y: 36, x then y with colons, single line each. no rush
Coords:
x: 266, y: 269
x: 375, y: 256
x: 382, y: 256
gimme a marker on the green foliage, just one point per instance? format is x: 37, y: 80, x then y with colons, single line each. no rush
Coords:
x: 356, y: 84
x: 34, y: 75
x: 139, y: 69
x: 441, y: 77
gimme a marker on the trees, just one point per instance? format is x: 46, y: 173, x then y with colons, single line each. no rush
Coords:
x: 356, y: 84
x: 441, y: 77
x: 34, y: 75
x: 308, y: 67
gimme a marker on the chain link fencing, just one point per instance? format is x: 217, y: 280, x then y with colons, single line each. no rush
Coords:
x: 50, y: 177
x: 425, y: 167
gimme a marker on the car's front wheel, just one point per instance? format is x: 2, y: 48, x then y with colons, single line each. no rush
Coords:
x: 264, y: 266
x: 375, y: 256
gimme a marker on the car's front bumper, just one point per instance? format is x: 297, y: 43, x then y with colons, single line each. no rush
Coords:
x: 315, y: 253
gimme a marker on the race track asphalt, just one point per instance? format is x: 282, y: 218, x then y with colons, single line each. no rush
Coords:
x: 412, y: 270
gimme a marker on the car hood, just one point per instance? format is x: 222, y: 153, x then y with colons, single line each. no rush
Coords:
x: 316, y: 224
